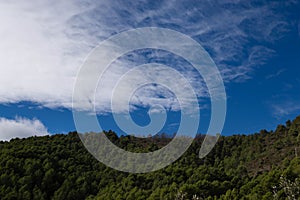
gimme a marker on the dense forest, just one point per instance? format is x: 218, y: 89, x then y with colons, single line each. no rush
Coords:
x: 264, y: 165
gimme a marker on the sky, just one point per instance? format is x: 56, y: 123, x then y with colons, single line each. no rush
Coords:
x: 43, y: 45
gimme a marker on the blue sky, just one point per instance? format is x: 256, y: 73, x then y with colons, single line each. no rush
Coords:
x: 254, y: 44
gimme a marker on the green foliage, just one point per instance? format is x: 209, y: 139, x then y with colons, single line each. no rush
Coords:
x: 239, y: 167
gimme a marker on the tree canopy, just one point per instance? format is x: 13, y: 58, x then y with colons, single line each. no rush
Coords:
x: 264, y: 165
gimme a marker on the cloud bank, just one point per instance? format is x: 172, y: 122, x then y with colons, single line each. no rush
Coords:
x: 43, y: 43
x: 21, y: 128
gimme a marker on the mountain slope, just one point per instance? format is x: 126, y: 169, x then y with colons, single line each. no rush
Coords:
x: 239, y: 167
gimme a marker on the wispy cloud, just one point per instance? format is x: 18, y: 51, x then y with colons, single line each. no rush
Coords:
x: 299, y: 28
x: 43, y: 43
x: 284, y: 109
x: 21, y: 128
x: 278, y: 73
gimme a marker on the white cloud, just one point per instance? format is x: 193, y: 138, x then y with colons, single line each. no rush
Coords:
x: 34, y: 60
x: 43, y: 43
x: 21, y: 128
x: 150, y: 94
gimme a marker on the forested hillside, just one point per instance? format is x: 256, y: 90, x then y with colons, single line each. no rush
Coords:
x: 264, y: 165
